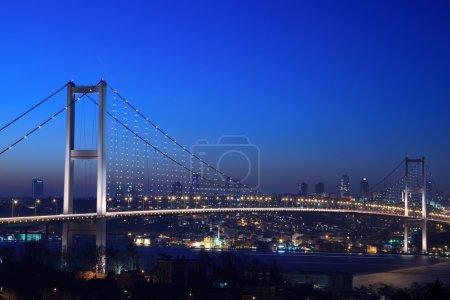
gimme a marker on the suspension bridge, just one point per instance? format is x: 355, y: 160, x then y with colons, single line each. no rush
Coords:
x: 142, y: 170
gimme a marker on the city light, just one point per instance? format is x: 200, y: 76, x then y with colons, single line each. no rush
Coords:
x: 36, y: 205
x: 55, y: 201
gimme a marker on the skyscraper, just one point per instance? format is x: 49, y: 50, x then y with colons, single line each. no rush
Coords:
x: 303, y: 189
x: 177, y: 189
x: 345, y: 185
x: 195, y: 184
x: 364, y: 188
x: 429, y: 190
x: 37, y: 186
x: 320, y: 188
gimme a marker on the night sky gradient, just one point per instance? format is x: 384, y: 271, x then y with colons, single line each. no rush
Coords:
x: 322, y: 87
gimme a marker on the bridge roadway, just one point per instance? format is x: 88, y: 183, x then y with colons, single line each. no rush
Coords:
x: 135, y: 213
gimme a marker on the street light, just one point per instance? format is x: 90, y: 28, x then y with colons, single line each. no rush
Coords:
x: 13, y: 203
x: 158, y: 201
x: 129, y: 201
x: 35, y: 206
x: 143, y: 202
x: 170, y: 198
x: 56, y: 206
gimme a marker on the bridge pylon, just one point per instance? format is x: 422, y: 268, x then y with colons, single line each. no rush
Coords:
x: 97, y: 229
x: 73, y: 154
x: 423, y: 191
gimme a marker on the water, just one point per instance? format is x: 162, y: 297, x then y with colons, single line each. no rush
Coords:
x: 396, y: 270
x: 400, y: 270
x: 356, y: 264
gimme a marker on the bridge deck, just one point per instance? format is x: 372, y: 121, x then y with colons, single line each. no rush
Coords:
x: 121, y: 214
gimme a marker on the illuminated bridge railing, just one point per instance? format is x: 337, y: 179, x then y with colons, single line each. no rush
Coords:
x: 155, y: 205
x: 196, y: 202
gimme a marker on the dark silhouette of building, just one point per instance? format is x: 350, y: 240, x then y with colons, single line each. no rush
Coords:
x: 177, y: 189
x: 319, y: 188
x: 37, y: 185
x: 303, y: 189
x: 178, y: 272
x: 337, y: 282
x: 364, y: 189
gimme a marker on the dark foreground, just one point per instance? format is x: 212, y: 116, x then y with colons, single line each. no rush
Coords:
x: 37, y: 274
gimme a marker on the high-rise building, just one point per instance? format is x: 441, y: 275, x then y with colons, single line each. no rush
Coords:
x: 177, y: 189
x: 345, y: 185
x: 429, y: 190
x: 195, y: 184
x: 319, y: 188
x: 37, y: 186
x: 303, y: 189
x: 364, y: 188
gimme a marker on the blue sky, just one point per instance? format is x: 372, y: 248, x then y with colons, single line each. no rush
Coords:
x: 322, y: 87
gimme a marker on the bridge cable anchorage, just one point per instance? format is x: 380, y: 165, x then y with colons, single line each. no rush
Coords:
x: 42, y: 124
x: 33, y: 108
x: 175, y: 141
x: 387, y: 176
x: 154, y: 147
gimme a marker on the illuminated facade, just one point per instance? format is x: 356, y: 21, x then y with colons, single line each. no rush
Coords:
x: 345, y: 186
x: 364, y: 188
x: 195, y: 185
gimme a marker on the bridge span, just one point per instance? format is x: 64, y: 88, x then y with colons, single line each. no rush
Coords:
x: 142, y: 213
x: 174, y: 166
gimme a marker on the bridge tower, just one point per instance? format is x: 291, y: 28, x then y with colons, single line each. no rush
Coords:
x: 406, y: 194
x: 73, y: 154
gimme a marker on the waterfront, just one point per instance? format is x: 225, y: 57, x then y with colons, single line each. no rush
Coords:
x: 391, y: 269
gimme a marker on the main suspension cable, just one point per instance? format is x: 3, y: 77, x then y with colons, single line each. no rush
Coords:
x: 32, y: 108
x: 153, y: 146
x: 174, y: 141
x: 42, y: 124
x: 387, y: 176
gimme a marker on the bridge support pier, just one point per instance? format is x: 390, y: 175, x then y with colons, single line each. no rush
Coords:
x: 418, y: 223
x: 96, y: 228
x: 423, y: 192
x: 405, y: 239
x: 424, y: 237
